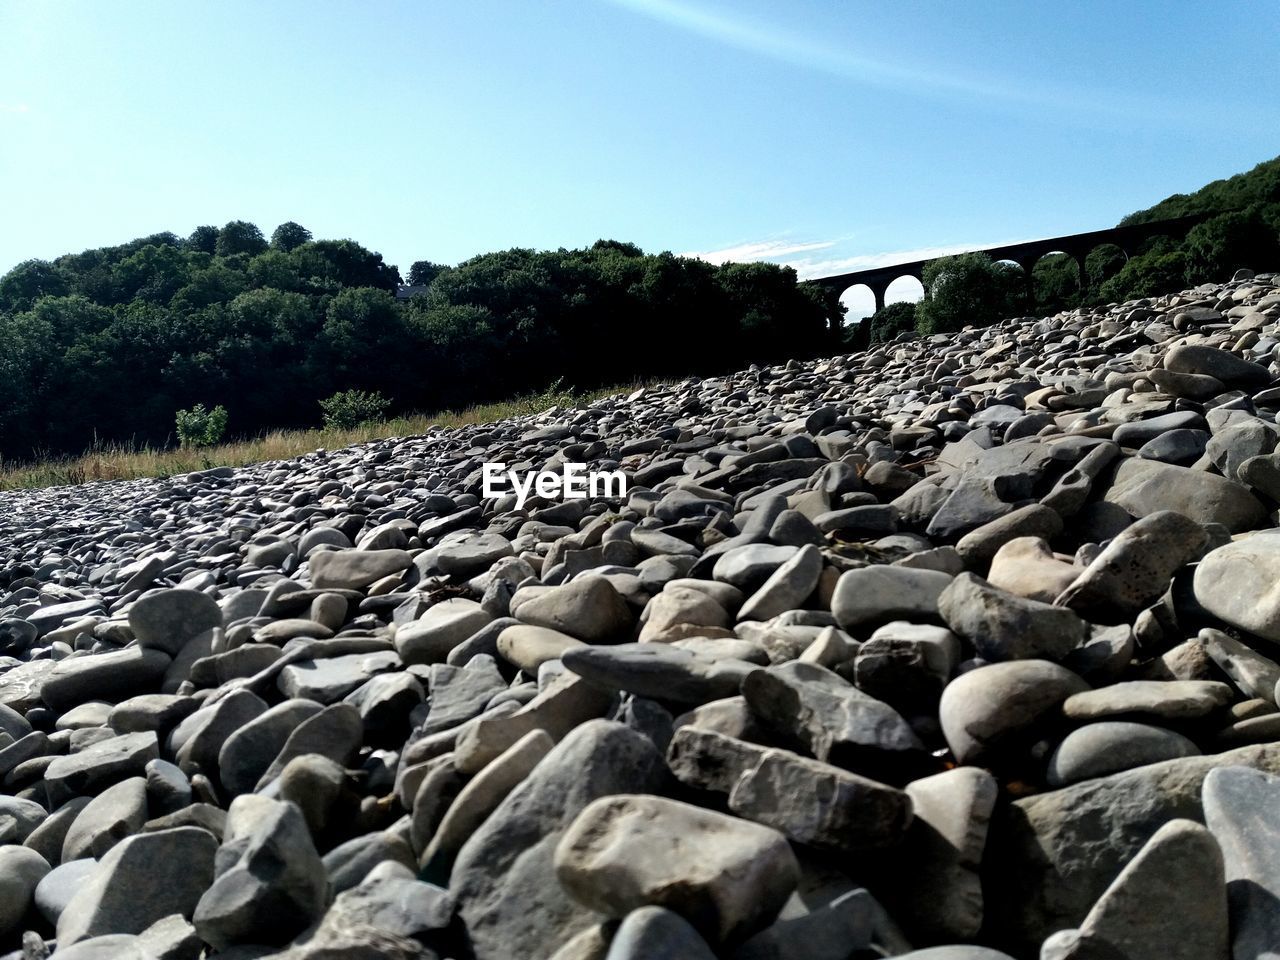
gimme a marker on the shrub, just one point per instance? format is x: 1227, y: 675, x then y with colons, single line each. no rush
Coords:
x: 888, y: 322
x: 199, y: 427
x: 967, y: 289
x: 350, y: 408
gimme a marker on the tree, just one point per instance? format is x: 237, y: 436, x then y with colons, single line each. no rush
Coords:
x: 1102, y: 263
x: 1056, y: 281
x: 968, y: 289
x: 1218, y: 247
x: 1147, y: 275
x: 289, y: 236
x: 240, y: 236
x: 203, y: 239
x: 891, y: 321
x: 423, y: 272
x: 30, y: 280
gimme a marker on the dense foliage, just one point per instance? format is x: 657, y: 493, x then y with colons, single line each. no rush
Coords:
x: 969, y: 289
x: 109, y: 343
x: 1242, y: 230
x: 890, y: 321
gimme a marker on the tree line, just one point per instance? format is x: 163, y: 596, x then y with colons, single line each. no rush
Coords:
x: 106, y: 345
x: 1243, y: 230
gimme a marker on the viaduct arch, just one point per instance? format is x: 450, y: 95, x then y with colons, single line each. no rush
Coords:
x: 1128, y: 239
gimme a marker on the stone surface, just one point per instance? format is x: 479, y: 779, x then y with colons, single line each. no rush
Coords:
x: 1238, y: 583
x: 167, y: 619
x: 1238, y: 809
x: 1052, y: 855
x: 993, y: 708
x: 363, y: 637
x: 270, y: 882
x: 1143, y: 487
x: 1097, y: 749
x: 727, y: 877
x: 1180, y: 869
x: 140, y: 881
x: 504, y: 879
x: 820, y: 805
x: 1002, y: 626
x: 21, y: 871
x: 874, y: 595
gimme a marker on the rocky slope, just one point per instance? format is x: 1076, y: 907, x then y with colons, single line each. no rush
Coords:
x: 963, y: 641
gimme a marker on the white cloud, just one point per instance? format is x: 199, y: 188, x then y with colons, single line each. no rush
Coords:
x: 807, y: 267
x: 759, y: 250
x: 14, y: 108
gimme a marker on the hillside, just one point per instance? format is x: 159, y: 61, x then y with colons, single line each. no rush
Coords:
x: 969, y: 639
x: 105, y: 346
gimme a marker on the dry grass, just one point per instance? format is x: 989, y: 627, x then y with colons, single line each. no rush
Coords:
x: 131, y: 462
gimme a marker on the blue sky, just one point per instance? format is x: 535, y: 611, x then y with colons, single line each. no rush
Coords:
x: 829, y: 134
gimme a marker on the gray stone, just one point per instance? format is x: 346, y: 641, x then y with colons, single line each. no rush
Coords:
x: 748, y: 567
x: 874, y: 595
x: 330, y: 679
x: 648, y: 932
x: 1002, y: 626
x: 270, y: 881
x: 355, y: 569
x: 104, y: 676
x: 787, y: 587
x: 1052, y: 855
x: 247, y: 753
x: 660, y: 671
x: 999, y: 707
x: 1238, y: 809
x: 1181, y: 869
x: 59, y: 887
x: 683, y: 611
x: 1219, y: 364
x: 1157, y: 699
x: 430, y: 638
x: 727, y: 877
x: 588, y: 608
x: 504, y: 881
x: 1240, y: 584
x: 167, y: 619
x: 1144, y: 487
x: 830, y: 718
x: 820, y: 805
x: 460, y: 693
x: 940, y: 897
x: 529, y: 647
x: 1098, y: 749
x: 116, y: 813
x: 1254, y: 674
x: 21, y: 871
x: 335, y: 732
x: 1135, y: 568
x: 100, y: 765
x: 140, y: 881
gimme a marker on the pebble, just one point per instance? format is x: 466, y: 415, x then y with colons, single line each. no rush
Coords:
x: 727, y: 877
x: 1109, y: 746
x: 853, y: 620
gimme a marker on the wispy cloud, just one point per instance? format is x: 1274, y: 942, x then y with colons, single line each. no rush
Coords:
x: 14, y: 108
x: 759, y: 250
x: 808, y: 267
x: 784, y: 252
x: 776, y: 41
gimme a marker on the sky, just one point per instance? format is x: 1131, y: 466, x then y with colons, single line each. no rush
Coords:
x: 826, y: 135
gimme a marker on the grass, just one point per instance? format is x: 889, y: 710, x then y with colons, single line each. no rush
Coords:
x: 125, y: 461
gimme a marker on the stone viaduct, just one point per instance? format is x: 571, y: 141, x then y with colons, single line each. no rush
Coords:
x: 1128, y: 238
